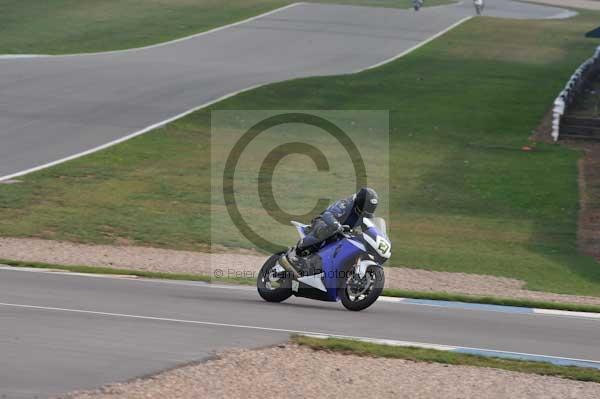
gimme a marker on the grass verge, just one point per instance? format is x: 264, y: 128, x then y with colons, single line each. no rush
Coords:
x: 436, y: 356
x: 437, y: 296
x: 75, y: 26
x: 129, y: 272
x: 464, y: 197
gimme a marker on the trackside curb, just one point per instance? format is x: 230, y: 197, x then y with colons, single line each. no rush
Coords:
x: 490, y: 308
x: 556, y: 360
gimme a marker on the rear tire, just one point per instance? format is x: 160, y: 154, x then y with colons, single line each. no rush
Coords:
x: 264, y: 283
x: 362, y: 302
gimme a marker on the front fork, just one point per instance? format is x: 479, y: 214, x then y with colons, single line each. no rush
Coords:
x: 361, y: 266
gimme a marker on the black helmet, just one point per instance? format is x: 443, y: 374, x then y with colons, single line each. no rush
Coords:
x: 366, y: 202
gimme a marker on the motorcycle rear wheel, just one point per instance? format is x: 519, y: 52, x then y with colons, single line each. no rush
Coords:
x: 270, y: 288
x: 359, y: 302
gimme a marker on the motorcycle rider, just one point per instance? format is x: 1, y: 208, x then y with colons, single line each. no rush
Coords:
x: 344, y: 213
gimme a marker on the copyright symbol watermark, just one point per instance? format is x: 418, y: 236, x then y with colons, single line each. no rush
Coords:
x: 271, y: 167
x: 272, y: 159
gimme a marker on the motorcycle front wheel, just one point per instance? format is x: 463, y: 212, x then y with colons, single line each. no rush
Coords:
x: 360, y: 293
x: 273, y: 286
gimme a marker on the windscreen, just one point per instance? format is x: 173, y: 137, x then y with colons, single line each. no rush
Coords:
x: 380, y: 225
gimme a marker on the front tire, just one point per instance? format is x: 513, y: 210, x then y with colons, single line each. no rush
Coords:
x: 358, y: 294
x: 270, y: 287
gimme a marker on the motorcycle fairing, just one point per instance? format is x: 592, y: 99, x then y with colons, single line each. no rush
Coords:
x: 338, y: 258
x: 315, y: 281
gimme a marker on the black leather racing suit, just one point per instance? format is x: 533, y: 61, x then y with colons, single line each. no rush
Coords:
x: 330, y: 221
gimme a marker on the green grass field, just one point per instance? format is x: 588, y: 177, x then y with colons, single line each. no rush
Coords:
x: 74, y: 26
x: 464, y: 197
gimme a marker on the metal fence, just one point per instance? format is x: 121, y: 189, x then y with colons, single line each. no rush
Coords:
x: 573, y: 89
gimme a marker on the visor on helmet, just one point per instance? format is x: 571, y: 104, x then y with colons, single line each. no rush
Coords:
x: 366, y: 202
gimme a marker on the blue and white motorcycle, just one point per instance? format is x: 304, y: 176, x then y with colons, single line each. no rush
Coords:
x: 346, y: 267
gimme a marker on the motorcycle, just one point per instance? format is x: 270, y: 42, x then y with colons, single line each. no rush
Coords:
x: 347, y: 267
x: 417, y: 4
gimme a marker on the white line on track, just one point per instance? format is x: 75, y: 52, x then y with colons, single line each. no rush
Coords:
x: 566, y: 313
x: 127, y: 137
x: 416, y: 47
x: 193, y: 36
x: 126, y: 277
x: 207, y: 104
x: 173, y: 320
x: 388, y: 299
x: 306, y: 333
x: 181, y: 39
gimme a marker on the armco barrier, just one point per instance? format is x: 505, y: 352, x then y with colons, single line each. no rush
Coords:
x: 573, y: 88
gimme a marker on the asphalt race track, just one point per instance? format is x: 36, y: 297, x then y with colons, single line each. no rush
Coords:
x: 59, y: 333
x: 131, y: 328
x: 53, y: 108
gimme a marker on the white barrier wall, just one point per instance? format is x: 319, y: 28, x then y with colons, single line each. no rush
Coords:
x: 573, y: 87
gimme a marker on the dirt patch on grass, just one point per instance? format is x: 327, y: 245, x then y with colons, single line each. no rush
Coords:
x: 296, y: 372
x: 589, y: 216
x: 247, y: 264
x: 543, y: 132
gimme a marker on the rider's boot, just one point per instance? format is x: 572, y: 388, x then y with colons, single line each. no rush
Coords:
x: 297, y: 261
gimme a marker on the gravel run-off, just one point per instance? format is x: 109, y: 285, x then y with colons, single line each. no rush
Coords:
x: 298, y: 372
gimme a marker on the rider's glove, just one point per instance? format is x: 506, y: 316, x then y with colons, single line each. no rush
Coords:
x: 338, y: 227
